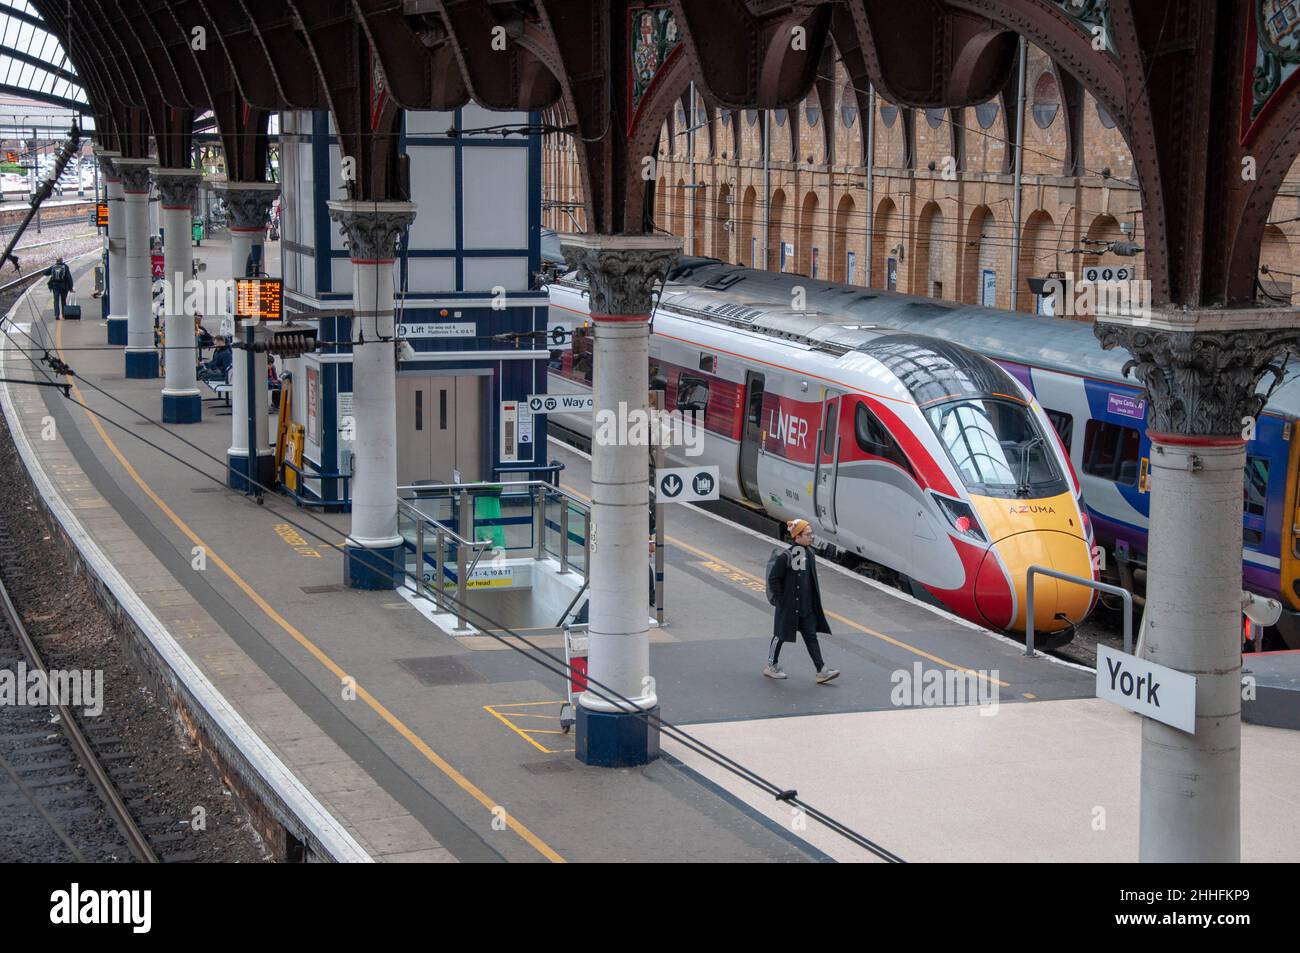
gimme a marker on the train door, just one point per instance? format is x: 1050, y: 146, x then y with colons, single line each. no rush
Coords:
x: 751, y: 438
x: 828, y: 458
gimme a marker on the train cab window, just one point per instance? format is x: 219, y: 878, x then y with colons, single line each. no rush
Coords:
x: 873, y: 438
x: 997, y: 446
x: 708, y: 362
x: 1064, y: 424
x: 692, y: 393
x: 1111, y: 452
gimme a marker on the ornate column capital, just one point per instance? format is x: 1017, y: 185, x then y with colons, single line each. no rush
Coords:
x: 177, y: 188
x: 248, y: 203
x: 107, y: 160
x: 621, y: 271
x: 134, y: 174
x: 1202, y: 369
x: 372, y: 228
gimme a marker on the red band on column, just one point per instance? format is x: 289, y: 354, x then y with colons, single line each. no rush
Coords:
x: 1185, y: 440
x: 373, y: 261
x: 620, y: 318
x: 176, y: 208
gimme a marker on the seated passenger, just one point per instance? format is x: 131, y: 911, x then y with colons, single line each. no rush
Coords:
x: 215, y: 368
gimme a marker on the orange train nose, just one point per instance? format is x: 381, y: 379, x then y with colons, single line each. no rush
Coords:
x: 1001, y: 591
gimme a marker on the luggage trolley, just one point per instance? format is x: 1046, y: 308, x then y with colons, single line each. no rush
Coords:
x: 575, y: 658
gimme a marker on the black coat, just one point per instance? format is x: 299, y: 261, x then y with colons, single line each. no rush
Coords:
x: 220, y: 361
x: 797, y: 593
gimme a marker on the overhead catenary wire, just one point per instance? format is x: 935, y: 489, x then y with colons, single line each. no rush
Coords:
x: 493, y: 629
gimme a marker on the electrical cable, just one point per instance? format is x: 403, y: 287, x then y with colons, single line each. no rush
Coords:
x: 493, y: 629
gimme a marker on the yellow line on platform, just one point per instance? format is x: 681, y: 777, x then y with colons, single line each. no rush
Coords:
x: 396, y: 723
x: 704, y: 554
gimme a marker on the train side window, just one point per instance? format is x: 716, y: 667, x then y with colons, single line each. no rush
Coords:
x: 1064, y: 424
x: 1255, y: 490
x: 873, y: 438
x: 692, y: 393
x: 1110, y: 451
x: 582, y: 353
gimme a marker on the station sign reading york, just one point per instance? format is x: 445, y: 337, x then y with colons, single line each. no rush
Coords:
x: 686, y: 484
x: 1155, y: 691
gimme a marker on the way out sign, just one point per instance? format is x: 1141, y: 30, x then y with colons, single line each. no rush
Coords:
x: 560, y: 403
x: 1152, y: 690
x: 686, y: 484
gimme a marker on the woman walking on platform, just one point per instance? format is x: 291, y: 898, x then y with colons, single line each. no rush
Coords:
x: 792, y: 588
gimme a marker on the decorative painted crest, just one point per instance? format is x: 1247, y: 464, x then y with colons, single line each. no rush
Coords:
x: 652, y: 39
x: 1278, y: 22
x: 378, y: 91
x: 1274, y: 37
x: 1093, y: 17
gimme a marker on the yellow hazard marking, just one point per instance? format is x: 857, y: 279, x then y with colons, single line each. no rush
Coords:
x: 378, y: 707
x: 527, y: 733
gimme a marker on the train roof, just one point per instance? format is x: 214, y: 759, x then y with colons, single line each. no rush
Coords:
x: 931, y: 368
x: 1057, y: 344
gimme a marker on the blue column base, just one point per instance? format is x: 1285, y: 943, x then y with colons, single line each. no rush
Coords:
x: 182, y: 408
x: 237, y: 471
x: 616, y: 739
x: 117, y: 331
x: 141, y: 365
x: 372, y: 568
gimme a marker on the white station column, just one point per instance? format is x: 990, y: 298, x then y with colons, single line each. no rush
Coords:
x: 116, y: 247
x: 1201, y: 370
x: 247, y: 206
x: 374, y: 557
x: 141, y: 355
x: 622, y: 273
x: 177, y: 189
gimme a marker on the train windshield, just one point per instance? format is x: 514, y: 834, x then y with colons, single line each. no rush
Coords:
x: 998, y: 447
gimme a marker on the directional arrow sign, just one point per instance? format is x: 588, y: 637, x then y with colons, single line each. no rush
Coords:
x: 560, y: 403
x: 686, y: 484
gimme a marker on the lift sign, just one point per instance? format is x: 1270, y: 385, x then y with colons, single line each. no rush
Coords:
x: 1154, y: 691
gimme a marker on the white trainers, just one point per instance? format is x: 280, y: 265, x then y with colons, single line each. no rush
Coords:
x: 771, y: 671
x: 826, y: 674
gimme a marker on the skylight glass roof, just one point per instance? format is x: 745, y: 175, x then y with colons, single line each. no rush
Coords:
x: 32, y: 61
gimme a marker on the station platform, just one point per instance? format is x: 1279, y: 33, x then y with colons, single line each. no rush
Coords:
x: 427, y: 747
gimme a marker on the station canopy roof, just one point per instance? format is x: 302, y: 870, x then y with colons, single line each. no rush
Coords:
x: 35, y: 68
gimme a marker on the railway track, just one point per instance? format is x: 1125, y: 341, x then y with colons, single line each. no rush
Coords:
x: 63, y: 791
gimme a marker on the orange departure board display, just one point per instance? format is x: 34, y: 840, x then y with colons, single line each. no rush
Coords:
x: 259, y: 298
x: 101, y: 214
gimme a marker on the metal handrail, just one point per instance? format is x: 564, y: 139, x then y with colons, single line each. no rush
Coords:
x: 460, y: 496
x: 1091, y: 584
x: 301, y: 499
x: 443, y: 535
x: 504, y: 485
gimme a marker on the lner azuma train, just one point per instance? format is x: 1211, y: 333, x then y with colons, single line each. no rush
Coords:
x: 903, y: 449
x: 1098, y: 412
